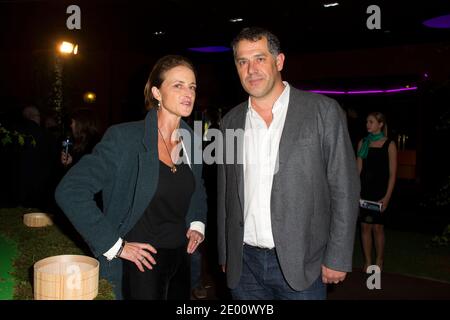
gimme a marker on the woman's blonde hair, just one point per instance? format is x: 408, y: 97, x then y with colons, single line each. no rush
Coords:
x: 382, y: 119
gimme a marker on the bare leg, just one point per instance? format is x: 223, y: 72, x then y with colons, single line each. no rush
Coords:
x: 366, y: 237
x: 378, y: 231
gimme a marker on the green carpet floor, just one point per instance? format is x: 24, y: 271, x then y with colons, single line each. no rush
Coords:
x: 8, y: 251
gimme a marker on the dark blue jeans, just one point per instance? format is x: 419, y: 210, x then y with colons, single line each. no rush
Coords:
x: 262, y: 279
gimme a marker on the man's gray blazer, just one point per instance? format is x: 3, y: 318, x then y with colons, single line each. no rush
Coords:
x: 315, y: 193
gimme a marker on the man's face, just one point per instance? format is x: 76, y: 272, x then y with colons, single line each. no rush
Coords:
x: 258, y: 69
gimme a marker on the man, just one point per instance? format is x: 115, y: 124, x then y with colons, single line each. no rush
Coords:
x: 287, y: 205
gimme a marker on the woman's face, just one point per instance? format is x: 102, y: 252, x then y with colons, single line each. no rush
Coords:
x: 373, y: 125
x: 177, y: 92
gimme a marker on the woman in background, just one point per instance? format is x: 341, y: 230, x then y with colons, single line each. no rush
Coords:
x: 85, y: 135
x: 377, y: 165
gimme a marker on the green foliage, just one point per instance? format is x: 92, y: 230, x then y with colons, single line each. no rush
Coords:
x: 56, y: 95
x: 8, y: 137
x: 442, y: 197
x: 35, y: 244
x: 443, y: 240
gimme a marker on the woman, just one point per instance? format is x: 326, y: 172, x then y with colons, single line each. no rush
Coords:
x: 377, y: 165
x: 85, y: 134
x: 154, y: 209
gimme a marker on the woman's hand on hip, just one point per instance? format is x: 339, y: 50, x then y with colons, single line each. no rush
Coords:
x: 139, y: 253
x: 195, y: 238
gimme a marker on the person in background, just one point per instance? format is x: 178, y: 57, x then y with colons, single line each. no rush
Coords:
x: 32, y: 162
x: 154, y: 199
x: 377, y: 166
x: 85, y: 133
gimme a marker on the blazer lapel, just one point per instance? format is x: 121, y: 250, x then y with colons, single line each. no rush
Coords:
x: 293, y: 126
x: 148, y: 170
x: 239, y: 123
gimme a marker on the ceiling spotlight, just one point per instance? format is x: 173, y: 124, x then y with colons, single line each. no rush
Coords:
x: 234, y: 20
x: 331, y: 4
x: 158, y: 33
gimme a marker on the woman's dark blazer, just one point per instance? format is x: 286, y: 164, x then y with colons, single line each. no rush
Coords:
x: 125, y: 167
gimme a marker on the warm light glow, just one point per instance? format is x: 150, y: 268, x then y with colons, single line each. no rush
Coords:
x: 68, y: 48
x: 89, y: 97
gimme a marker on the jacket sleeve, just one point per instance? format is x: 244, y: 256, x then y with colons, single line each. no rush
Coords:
x: 344, y: 186
x: 221, y: 208
x: 198, y: 207
x: 75, y: 193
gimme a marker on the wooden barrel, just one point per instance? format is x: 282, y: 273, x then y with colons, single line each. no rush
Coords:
x: 66, y: 277
x: 37, y: 219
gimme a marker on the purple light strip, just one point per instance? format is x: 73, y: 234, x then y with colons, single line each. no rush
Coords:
x: 442, y: 22
x: 328, y: 91
x: 401, y: 89
x: 210, y: 49
x: 363, y: 91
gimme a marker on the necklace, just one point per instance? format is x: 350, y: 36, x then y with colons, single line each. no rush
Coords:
x: 173, y: 168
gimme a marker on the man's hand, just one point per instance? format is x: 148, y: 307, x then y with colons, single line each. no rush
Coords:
x: 332, y: 276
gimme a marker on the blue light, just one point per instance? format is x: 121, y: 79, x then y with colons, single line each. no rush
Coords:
x: 442, y: 22
x: 210, y: 49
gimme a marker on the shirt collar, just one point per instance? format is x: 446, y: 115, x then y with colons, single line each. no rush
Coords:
x: 282, y: 101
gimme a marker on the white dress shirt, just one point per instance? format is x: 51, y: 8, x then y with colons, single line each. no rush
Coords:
x: 261, y: 144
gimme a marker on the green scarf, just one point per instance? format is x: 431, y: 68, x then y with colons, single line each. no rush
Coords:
x: 362, y: 153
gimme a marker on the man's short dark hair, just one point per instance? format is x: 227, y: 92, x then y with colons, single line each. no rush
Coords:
x: 256, y: 34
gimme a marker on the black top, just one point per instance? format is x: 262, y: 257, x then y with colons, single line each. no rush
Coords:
x: 375, y: 173
x: 163, y: 224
